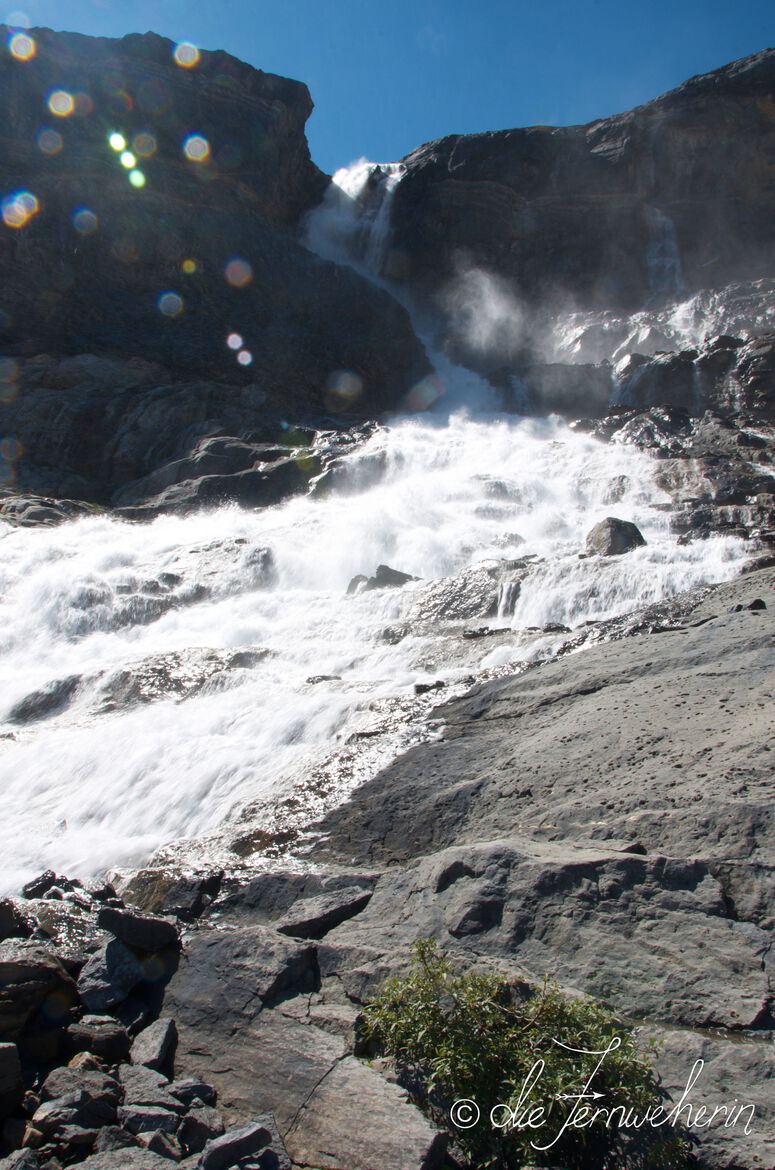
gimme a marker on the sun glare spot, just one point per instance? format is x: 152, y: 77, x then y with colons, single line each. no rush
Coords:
x: 244, y: 357
x: 128, y: 160
x: 170, y: 304
x: 61, y: 103
x: 196, y: 148
x: 19, y: 208
x: 144, y: 145
x: 189, y: 266
x: 50, y: 142
x: 117, y: 142
x: 85, y: 221
x: 137, y: 179
x: 234, y: 341
x: 22, y: 46
x: 238, y: 273
x: 186, y: 55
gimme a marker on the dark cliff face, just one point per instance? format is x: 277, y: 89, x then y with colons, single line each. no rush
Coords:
x: 167, y: 253
x: 668, y: 198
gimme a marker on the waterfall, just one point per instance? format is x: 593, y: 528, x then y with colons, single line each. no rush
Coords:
x: 190, y: 678
x: 663, y: 259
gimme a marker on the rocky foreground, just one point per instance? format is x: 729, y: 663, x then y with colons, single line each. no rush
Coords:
x: 604, y: 818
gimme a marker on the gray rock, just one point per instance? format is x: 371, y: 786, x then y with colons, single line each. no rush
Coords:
x: 143, y: 1086
x: 79, y: 1109
x: 261, y: 1136
x: 356, y: 1118
x: 387, y: 578
x: 126, y: 1159
x: 11, y: 1082
x: 314, y: 917
x: 65, y: 1081
x: 143, y: 932
x: 20, y: 1160
x: 31, y: 979
x: 109, y: 976
x: 612, y: 537
x: 112, y: 1137
x: 200, y: 1125
x: 147, y: 1119
x: 191, y: 1092
x: 155, y: 1046
x: 102, y: 1035
x: 164, y: 1144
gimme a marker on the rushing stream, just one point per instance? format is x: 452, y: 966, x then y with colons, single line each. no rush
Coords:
x: 156, y: 679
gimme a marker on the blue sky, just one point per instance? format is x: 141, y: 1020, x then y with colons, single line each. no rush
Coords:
x: 386, y: 77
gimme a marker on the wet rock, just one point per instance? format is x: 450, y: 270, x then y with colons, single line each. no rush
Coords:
x: 48, y: 701
x: 136, y: 930
x: 314, y: 917
x: 357, y: 584
x: 260, y: 1137
x: 11, y: 1083
x: 387, y: 578
x: 155, y: 1046
x: 109, y: 976
x: 184, y: 896
x: 612, y: 537
x: 40, y: 886
x: 14, y: 923
x: 199, y: 1127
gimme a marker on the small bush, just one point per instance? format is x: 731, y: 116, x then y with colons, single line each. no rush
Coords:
x: 475, y: 1037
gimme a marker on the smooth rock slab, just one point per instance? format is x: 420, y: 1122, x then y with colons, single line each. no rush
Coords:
x: 314, y: 917
x: 147, y: 1119
x: 612, y: 537
x: 356, y: 1120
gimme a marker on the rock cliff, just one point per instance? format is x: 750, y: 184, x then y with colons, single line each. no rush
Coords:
x: 670, y: 197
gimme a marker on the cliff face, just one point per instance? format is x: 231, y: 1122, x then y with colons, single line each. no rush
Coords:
x: 673, y: 196
x: 148, y: 210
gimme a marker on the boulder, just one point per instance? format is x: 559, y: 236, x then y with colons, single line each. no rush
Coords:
x: 103, y: 1036
x: 138, y: 1119
x: 142, y: 932
x: 14, y: 923
x: 94, y: 1085
x: 314, y: 917
x: 612, y: 537
x: 387, y: 578
x: 109, y: 976
x: 32, y: 980
x: 259, y: 1137
x: 200, y: 1126
x: 155, y: 1046
x: 143, y: 1086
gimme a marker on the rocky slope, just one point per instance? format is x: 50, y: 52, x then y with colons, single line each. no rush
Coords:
x: 604, y: 818
x: 667, y: 198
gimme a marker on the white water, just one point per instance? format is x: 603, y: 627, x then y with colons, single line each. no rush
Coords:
x: 85, y: 790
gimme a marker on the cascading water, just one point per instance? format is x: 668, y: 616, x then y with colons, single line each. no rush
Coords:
x: 157, y: 680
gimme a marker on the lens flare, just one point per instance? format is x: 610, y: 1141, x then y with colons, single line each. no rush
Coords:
x: 144, y: 145
x: 238, y: 273
x: 186, y: 55
x: 61, y: 103
x: 128, y: 160
x: 189, y: 266
x: 83, y: 104
x: 22, y: 46
x: 19, y: 208
x: 196, y: 148
x: 170, y: 304
x: 85, y: 221
x: 50, y: 142
x: 244, y: 357
x: 137, y: 179
x: 343, y: 388
x: 234, y: 341
x: 117, y: 141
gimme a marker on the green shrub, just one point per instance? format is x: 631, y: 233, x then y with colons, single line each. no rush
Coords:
x: 476, y: 1037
